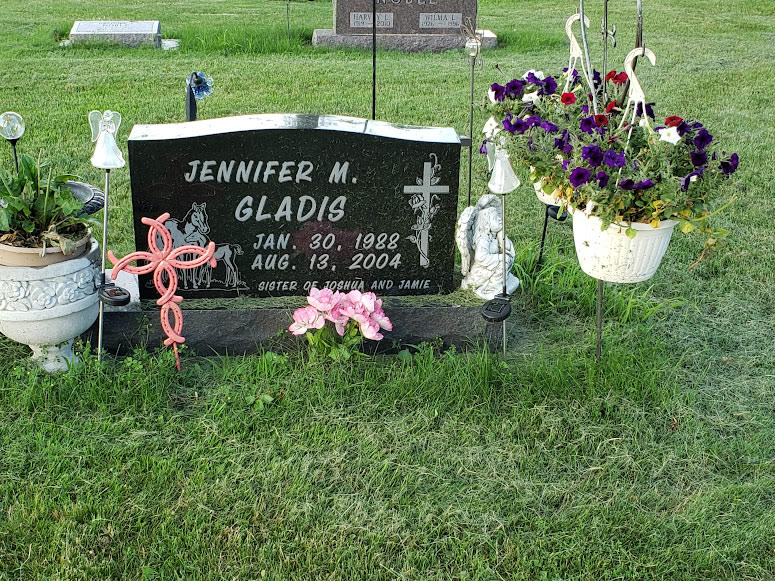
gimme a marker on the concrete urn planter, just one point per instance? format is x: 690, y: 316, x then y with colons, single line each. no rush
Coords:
x: 46, y: 307
x: 612, y: 256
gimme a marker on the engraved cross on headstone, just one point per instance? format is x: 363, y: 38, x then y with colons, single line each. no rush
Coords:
x: 424, y: 204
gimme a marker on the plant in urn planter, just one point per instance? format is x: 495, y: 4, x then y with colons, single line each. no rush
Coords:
x: 49, y: 261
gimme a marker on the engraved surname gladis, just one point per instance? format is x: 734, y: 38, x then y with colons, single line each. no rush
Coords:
x: 307, y: 209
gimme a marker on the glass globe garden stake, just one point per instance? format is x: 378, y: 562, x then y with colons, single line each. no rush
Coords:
x: 198, y: 86
x: 12, y: 129
x: 107, y: 156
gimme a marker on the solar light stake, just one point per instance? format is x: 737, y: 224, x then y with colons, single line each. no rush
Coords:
x: 107, y: 156
x: 473, y: 46
x: 102, y: 267
x: 12, y: 128
x: 503, y: 181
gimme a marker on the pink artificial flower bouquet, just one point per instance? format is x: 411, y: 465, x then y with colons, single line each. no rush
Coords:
x: 355, y: 315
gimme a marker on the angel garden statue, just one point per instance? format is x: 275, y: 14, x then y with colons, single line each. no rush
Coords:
x: 104, y: 127
x: 481, y: 241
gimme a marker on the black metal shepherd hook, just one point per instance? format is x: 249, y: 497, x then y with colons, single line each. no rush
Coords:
x: 554, y: 213
x: 374, y: 59
x: 194, y: 81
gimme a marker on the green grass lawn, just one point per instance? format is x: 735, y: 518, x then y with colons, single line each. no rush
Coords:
x: 658, y: 463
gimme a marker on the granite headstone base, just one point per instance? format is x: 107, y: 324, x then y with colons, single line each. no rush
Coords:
x: 245, y: 331
x: 401, y: 42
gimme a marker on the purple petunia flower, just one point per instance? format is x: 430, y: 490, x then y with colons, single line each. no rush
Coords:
x: 549, y: 88
x: 602, y: 179
x: 516, y: 126
x: 533, y: 79
x: 687, y: 179
x: 592, y: 154
x: 499, y: 90
x: 588, y: 124
x: 627, y: 184
x: 729, y: 166
x: 562, y: 140
x: 567, y: 149
x: 649, y: 110
x: 698, y: 158
x: 613, y: 159
x: 644, y: 185
x: 549, y: 127
x: 533, y: 121
x: 565, y: 164
x: 579, y: 176
x: 514, y: 88
x: 483, y: 148
x: 703, y: 139
x: 585, y: 109
x: 682, y: 128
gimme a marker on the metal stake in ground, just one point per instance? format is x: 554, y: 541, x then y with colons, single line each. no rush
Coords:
x: 12, y: 128
x: 473, y: 48
x: 551, y: 212
x: 374, y: 59
x: 198, y: 86
x: 599, y: 351
x: 288, y: 18
x: 107, y: 156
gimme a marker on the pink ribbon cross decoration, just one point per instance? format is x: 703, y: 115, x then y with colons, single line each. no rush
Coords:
x: 161, y: 261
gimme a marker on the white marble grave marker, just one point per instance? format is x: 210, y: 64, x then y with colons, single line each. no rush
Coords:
x: 130, y: 33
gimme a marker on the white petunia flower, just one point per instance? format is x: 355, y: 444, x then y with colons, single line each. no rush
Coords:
x: 669, y: 134
x: 491, y: 127
x: 539, y: 74
x: 531, y: 97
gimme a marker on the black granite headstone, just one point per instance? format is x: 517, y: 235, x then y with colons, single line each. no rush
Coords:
x: 295, y: 201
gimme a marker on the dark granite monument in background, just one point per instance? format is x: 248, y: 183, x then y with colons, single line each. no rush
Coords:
x: 295, y: 201
x: 409, y: 25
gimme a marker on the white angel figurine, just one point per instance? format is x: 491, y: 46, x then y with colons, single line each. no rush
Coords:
x: 481, y: 241
x: 104, y: 127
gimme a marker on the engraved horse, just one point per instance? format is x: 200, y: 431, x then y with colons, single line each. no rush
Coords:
x: 190, y: 230
x: 224, y: 254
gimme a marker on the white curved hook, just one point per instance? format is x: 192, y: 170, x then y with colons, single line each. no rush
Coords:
x: 636, y: 96
x: 576, y: 53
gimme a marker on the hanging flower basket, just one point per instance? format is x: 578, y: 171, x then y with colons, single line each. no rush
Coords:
x: 540, y: 185
x: 612, y: 256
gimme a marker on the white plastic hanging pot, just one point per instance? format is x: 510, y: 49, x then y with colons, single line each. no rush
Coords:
x: 612, y: 256
x: 551, y: 199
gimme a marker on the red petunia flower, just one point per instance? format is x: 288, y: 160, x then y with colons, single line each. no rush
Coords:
x: 610, y: 106
x: 568, y: 98
x: 621, y: 78
x: 610, y: 75
x: 601, y: 120
x: 673, y: 121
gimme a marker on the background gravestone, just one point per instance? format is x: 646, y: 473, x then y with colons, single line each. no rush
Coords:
x: 436, y: 17
x: 121, y: 31
x: 410, y: 25
x: 295, y: 201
